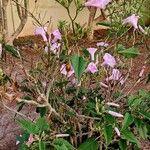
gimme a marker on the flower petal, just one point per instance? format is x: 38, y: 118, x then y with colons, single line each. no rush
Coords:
x: 109, y: 60
x: 92, y: 52
x: 97, y: 3
x: 115, y: 114
x: 41, y: 31
x: 57, y: 36
x: 92, y: 68
x: 132, y: 20
x: 112, y: 104
x: 102, y: 44
x: 117, y: 131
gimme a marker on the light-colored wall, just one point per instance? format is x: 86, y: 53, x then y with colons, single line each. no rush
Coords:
x: 47, y: 8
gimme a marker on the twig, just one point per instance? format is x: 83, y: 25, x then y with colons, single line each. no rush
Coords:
x: 16, y: 112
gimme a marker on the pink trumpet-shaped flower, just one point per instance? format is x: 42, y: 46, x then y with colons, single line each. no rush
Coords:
x: 102, y: 44
x: 92, y: 52
x: 116, y: 75
x: 112, y: 104
x: 132, y: 20
x: 109, y: 60
x: 55, y: 47
x: 142, y: 30
x: 97, y: 3
x: 115, y: 114
x: 1, y: 49
x: 41, y: 31
x: 92, y: 68
x: 117, y: 131
x: 142, y: 71
x: 57, y: 36
x: 30, y: 140
x: 64, y: 71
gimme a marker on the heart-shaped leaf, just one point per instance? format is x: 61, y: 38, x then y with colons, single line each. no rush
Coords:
x: 127, y: 121
x: 108, y: 134
x: 128, y: 135
x: 79, y: 64
x: 105, y: 23
x: 61, y: 144
x: 129, y: 52
x: 42, y: 145
x: 12, y: 50
x: 89, y: 144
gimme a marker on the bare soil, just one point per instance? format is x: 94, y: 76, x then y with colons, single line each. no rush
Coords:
x: 8, y: 127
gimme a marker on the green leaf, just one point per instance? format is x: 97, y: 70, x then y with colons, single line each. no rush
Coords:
x: 61, y: 144
x: 10, y: 49
x: 143, y: 131
x: 134, y: 101
x: 24, y: 147
x: 145, y: 114
x: 23, y: 138
x: 122, y: 144
x: 109, y: 119
x: 20, y: 106
x: 127, y: 121
x: 42, y: 124
x: 142, y: 128
x: 29, y: 126
x: 105, y: 23
x: 128, y: 135
x: 120, y: 47
x: 85, y: 52
x: 108, y: 134
x: 89, y: 144
x: 41, y: 110
x: 61, y: 147
x: 148, y: 78
x: 79, y: 65
x: 128, y: 53
x: 27, y: 97
x: 42, y: 145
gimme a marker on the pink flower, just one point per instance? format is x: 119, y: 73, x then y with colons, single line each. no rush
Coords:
x: 132, y: 20
x: 97, y: 3
x: 92, y: 52
x: 116, y: 76
x: 102, y: 44
x: 73, y: 81
x: 142, y: 30
x: 57, y: 36
x: 117, y: 131
x: 1, y: 50
x: 30, y: 140
x: 115, y: 114
x: 142, y: 71
x: 109, y: 60
x: 41, y: 31
x: 112, y: 104
x: 64, y: 71
x: 92, y: 68
x: 55, y: 47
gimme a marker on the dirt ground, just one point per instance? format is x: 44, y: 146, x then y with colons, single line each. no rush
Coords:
x: 8, y: 127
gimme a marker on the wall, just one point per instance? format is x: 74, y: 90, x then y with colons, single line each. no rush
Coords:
x: 47, y: 8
